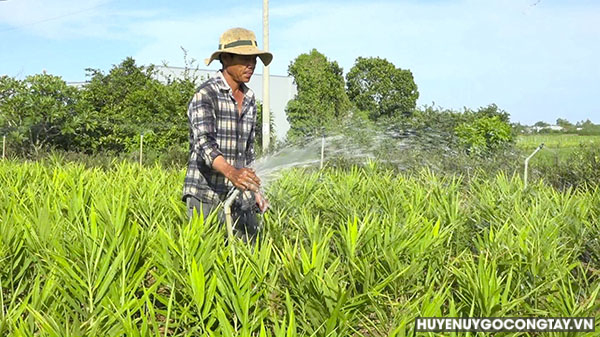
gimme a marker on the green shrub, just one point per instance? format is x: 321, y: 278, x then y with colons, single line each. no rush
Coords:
x: 484, y: 134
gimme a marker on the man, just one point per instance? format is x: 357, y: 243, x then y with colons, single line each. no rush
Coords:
x: 222, y: 119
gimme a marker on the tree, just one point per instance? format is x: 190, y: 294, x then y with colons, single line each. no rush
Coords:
x: 321, y: 98
x: 492, y: 110
x: 11, y: 101
x: 375, y: 85
x: 108, y: 114
x: 39, y: 112
x: 588, y: 128
x: 564, y: 123
x: 129, y: 101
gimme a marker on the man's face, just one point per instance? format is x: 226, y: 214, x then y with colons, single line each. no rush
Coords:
x: 239, y: 67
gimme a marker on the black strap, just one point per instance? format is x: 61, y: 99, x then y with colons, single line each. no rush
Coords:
x: 238, y: 43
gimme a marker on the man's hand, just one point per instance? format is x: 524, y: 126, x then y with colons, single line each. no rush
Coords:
x: 244, y: 179
x: 261, y: 201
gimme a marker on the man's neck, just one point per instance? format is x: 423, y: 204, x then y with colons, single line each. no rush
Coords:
x: 233, y: 84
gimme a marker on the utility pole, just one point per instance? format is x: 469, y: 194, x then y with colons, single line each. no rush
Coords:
x: 266, y: 108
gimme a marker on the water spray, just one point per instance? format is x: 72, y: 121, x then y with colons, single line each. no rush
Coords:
x: 527, y: 163
x: 322, y: 151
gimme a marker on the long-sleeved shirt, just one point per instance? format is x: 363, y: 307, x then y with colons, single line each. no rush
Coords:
x: 217, y: 128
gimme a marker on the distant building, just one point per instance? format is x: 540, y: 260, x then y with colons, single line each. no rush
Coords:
x: 545, y: 128
x: 283, y: 90
x: 555, y: 128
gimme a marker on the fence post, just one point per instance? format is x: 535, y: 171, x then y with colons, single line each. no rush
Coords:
x: 141, y: 147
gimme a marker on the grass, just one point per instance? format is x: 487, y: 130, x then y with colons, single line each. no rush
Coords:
x: 362, y: 251
x: 557, y: 147
x: 556, y: 141
x: 567, y: 160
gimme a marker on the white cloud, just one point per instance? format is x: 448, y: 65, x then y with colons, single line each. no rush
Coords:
x: 69, y: 19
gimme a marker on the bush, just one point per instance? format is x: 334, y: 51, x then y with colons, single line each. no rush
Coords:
x: 484, y: 134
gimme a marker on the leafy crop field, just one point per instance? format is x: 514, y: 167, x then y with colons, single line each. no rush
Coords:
x: 556, y: 146
x: 556, y: 140
x: 355, y: 252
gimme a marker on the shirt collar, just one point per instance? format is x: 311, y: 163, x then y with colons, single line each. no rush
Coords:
x: 223, y: 85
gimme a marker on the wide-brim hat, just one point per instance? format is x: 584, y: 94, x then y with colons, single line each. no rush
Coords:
x: 240, y: 41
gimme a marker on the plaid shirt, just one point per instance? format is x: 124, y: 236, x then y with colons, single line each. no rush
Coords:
x: 216, y: 128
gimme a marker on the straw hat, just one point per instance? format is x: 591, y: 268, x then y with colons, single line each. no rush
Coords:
x: 242, y: 42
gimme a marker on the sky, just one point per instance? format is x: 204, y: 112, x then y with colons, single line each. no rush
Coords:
x: 535, y: 59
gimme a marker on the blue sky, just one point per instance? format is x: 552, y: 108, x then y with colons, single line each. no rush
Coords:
x: 536, y: 59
